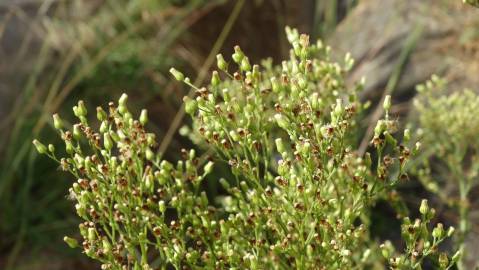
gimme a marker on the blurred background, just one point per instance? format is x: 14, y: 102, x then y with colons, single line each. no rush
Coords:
x: 55, y: 52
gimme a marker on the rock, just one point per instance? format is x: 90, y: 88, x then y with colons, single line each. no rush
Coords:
x: 375, y: 33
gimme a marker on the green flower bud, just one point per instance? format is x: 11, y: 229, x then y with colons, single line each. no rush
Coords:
x: 79, y: 159
x: 416, y: 148
x: 256, y: 73
x: 69, y: 147
x: 123, y: 99
x: 100, y: 114
x: 88, y: 164
x: 296, y: 48
x: 150, y: 139
x: 280, y: 145
x: 71, y: 242
x: 51, y: 148
x: 103, y: 127
x: 291, y: 34
x: 107, y: 141
x: 75, y: 111
x: 41, y: 148
x: 149, y: 154
x: 81, y: 211
x: 450, y: 231
x: 208, y: 167
x: 238, y: 55
x: 106, y: 246
x: 57, y: 121
x: 82, y: 111
x: 305, y: 149
x: 192, y: 154
x: 438, y: 231
x: 387, y: 103
x: 381, y: 126
x: 221, y: 63
x: 83, y: 229
x: 190, y: 105
x: 244, y: 186
x: 76, y: 132
x: 91, y: 234
x: 123, y: 110
x: 275, y: 85
x: 215, y: 78
x: 117, y: 136
x: 178, y: 75
x: 245, y: 65
x: 281, y: 120
x: 224, y: 183
x: 162, y: 206
x: 424, y: 208
x: 144, y: 117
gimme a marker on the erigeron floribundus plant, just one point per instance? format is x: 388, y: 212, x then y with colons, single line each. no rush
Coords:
x: 448, y: 128
x: 300, y: 196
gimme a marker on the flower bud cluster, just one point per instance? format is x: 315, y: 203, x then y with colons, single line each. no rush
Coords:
x: 134, y: 205
x: 421, y: 243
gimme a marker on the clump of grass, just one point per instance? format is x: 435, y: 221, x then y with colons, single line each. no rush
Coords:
x: 300, y: 195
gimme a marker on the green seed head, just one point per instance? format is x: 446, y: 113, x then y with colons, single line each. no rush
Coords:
x: 41, y: 148
x: 123, y: 99
x: 208, y: 167
x: 100, y: 114
x: 215, y: 78
x: 144, y: 117
x: 387, y: 103
x: 57, y: 122
x: 238, y: 55
x: 177, y: 74
x: 191, y: 105
x: 424, y: 208
x: 221, y: 63
x: 71, y: 242
x: 82, y: 111
x: 107, y: 141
